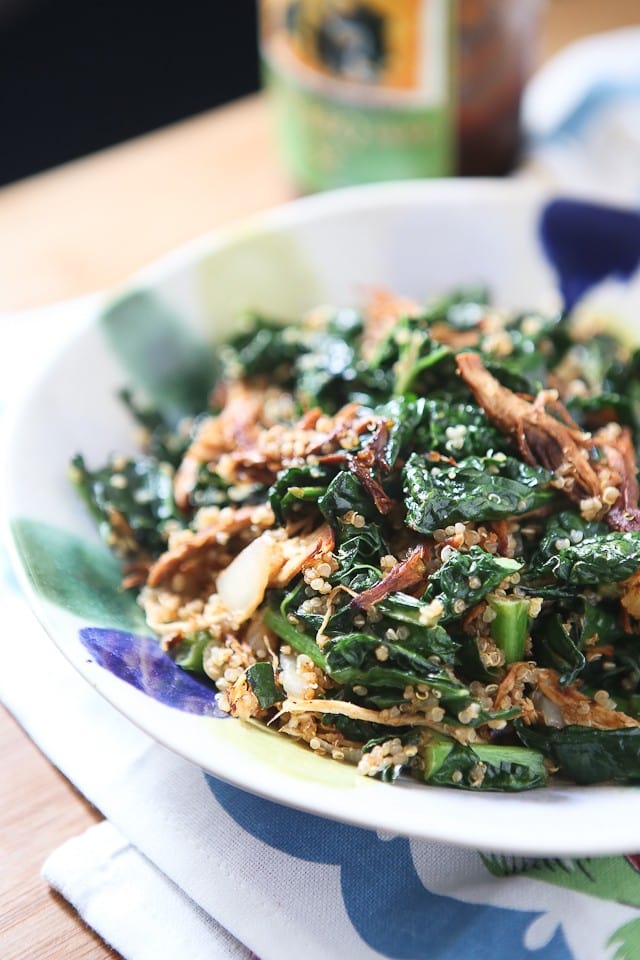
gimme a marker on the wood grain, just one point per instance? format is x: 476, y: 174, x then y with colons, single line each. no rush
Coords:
x: 82, y: 227
x: 92, y: 222
x: 39, y: 810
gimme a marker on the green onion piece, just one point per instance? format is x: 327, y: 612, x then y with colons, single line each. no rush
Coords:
x: 482, y: 766
x: 296, y: 638
x: 435, y: 753
x: 509, y: 628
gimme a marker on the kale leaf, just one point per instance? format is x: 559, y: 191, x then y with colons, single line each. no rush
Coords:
x: 261, y: 678
x: 461, y: 309
x: 457, y: 430
x: 131, y: 501
x: 295, y: 486
x: 607, y: 558
x: 554, y: 646
x: 352, y: 660
x: 269, y: 347
x: 588, y: 755
x: 402, y: 416
x: 466, y: 577
x: 328, y: 373
x: 561, y: 531
x: 162, y: 441
x: 477, y: 488
x: 482, y: 766
x: 345, y: 493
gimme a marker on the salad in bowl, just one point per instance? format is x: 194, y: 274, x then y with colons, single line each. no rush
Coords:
x: 360, y: 505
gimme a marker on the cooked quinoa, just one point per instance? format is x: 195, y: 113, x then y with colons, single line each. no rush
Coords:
x: 407, y: 538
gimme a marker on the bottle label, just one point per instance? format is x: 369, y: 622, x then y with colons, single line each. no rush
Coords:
x: 361, y: 88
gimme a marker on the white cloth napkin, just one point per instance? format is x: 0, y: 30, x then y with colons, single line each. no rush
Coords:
x: 127, y: 900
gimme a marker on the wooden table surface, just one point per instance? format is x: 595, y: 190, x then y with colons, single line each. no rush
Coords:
x: 82, y: 227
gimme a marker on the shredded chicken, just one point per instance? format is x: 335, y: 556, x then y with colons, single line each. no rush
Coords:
x: 511, y: 691
x: 237, y: 425
x: 576, y: 708
x: 284, y: 445
x: 621, y: 457
x: 552, y: 440
x: 193, y: 546
x: 296, y: 552
x: 571, y: 706
x: 242, y: 701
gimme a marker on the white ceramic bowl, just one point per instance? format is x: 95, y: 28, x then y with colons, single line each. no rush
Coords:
x: 418, y: 239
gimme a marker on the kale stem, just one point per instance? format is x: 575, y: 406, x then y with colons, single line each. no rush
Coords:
x: 295, y: 637
x: 509, y: 628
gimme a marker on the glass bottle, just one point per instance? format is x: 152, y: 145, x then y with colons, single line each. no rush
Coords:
x: 366, y: 90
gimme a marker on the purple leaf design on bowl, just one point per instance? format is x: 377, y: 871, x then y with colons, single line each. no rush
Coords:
x: 141, y: 662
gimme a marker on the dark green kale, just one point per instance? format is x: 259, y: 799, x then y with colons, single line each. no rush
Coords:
x: 328, y: 374
x: 420, y: 359
x: 599, y: 623
x: 130, y: 500
x: 261, y: 678
x: 536, y: 344
x: 162, y: 441
x: 613, y: 385
x: 615, y: 667
x: 465, y: 578
x: 623, y: 380
x: 482, y: 766
x: 462, y: 309
x: 477, y: 488
x: 561, y: 531
x: 587, y: 755
x: 352, y: 660
x: 296, y: 486
x: 402, y: 415
x: 411, y: 361
x: 607, y: 558
x: 345, y: 493
x: 267, y: 348
x: 457, y: 430
x: 596, y: 358
x: 554, y: 646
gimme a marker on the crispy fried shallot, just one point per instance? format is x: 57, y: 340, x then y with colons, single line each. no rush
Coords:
x: 406, y: 574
